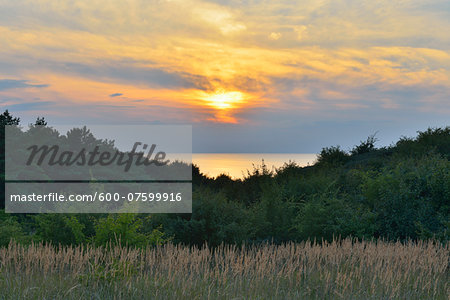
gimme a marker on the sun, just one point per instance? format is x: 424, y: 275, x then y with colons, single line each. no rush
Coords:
x: 223, y: 104
x: 224, y: 100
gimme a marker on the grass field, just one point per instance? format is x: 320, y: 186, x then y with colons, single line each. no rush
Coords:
x: 337, y: 270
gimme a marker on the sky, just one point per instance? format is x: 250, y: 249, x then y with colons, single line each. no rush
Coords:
x: 250, y: 76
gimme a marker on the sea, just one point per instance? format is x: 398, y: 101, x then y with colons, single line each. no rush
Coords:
x: 236, y: 165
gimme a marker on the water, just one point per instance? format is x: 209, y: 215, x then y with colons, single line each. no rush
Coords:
x: 237, y: 164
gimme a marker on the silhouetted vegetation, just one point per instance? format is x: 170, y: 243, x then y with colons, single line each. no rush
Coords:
x: 398, y: 192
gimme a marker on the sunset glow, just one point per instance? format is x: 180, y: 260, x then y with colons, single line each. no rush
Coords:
x: 284, y: 64
x: 224, y: 100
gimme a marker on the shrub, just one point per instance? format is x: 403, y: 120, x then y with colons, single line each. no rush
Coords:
x: 326, y: 216
x: 365, y: 146
x: 59, y: 229
x: 410, y: 197
x: 126, y: 229
x: 11, y: 229
x: 214, y: 220
x: 332, y: 156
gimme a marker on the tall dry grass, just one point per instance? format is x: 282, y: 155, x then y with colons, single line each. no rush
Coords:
x: 340, y: 269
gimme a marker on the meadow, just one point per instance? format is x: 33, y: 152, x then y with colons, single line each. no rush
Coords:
x: 340, y: 269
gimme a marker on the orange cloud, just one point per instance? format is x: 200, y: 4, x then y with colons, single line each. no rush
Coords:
x: 220, y: 60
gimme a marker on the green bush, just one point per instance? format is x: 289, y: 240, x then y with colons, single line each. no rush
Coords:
x: 11, y: 229
x: 126, y: 229
x: 410, y: 197
x: 332, y: 157
x: 214, y: 220
x: 271, y: 218
x: 59, y: 229
x: 326, y: 216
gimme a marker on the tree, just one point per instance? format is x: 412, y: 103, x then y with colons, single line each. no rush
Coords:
x: 11, y: 229
x: 365, y: 146
x: 126, y: 229
x: 332, y: 156
x: 5, y: 119
x: 40, y: 122
x: 59, y: 229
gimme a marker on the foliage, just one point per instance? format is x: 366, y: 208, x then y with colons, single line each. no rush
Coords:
x: 272, y: 217
x: 11, y: 229
x: 332, y: 156
x: 214, y: 220
x: 365, y: 146
x: 326, y: 216
x: 399, y: 192
x: 126, y: 229
x: 410, y: 196
x: 7, y: 119
x: 59, y: 229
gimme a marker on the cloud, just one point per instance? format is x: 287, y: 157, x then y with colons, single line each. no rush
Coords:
x: 31, y: 106
x: 116, y: 95
x: 6, y: 84
x: 301, y: 32
x: 137, y: 74
x: 275, y: 36
x: 306, y: 60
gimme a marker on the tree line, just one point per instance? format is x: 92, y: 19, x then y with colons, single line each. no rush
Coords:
x: 398, y: 192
